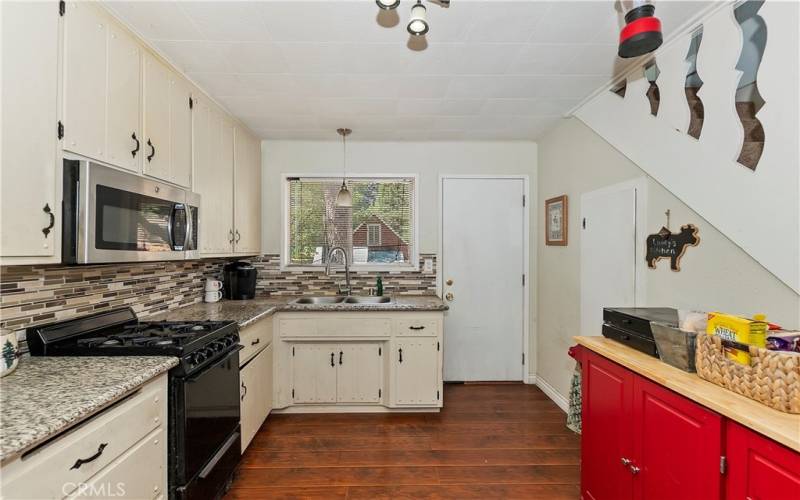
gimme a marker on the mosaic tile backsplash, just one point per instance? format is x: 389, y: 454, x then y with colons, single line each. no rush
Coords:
x: 31, y: 295
x: 273, y: 280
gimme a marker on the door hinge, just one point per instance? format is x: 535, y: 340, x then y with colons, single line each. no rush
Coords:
x: 523, y: 358
x: 379, y: 393
x: 292, y: 393
x: 437, y: 395
x: 60, y: 130
x: 62, y: 7
x: 380, y: 352
x: 191, y: 103
x: 523, y: 200
x: 584, y: 223
x: 523, y: 280
x: 437, y: 346
x: 723, y: 465
x: 292, y: 351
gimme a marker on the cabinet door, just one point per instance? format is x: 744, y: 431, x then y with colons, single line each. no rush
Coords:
x: 180, y: 131
x: 360, y: 376
x: 85, y: 32
x: 678, y: 445
x: 249, y: 396
x: 28, y: 118
x: 247, y: 182
x: 416, y: 362
x: 265, y: 382
x: 314, y: 373
x: 606, y: 437
x: 123, y: 134
x: 156, y: 155
x: 759, y: 467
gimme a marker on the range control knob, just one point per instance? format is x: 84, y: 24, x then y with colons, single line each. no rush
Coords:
x: 198, y: 357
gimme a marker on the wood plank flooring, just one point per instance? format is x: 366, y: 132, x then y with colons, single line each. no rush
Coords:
x: 489, y: 441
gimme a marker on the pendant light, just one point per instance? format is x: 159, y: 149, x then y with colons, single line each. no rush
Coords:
x: 344, y: 198
x: 418, y: 24
x: 388, y: 4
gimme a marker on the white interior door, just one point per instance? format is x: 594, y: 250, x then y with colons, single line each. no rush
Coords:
x: 608, y: 254
x: 483, y: 252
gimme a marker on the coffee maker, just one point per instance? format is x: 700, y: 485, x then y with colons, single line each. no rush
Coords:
x: 240, y: 281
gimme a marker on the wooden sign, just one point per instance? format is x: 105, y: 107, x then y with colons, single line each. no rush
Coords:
x: 668, y: 245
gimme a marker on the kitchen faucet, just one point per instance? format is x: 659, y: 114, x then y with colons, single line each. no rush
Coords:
x: 346, y: 290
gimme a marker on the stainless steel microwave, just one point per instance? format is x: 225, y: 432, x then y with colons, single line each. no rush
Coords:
x: 114, y: 216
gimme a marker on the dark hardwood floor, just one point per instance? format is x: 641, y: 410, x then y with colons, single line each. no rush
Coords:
x: 489, y: 441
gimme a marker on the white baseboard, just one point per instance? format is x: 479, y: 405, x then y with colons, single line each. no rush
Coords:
x: 531, y: 379
x: 551, y: 393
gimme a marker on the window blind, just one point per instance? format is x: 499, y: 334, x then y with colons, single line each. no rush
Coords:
x: 316, y: 224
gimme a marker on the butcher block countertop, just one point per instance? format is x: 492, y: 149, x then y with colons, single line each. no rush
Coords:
x: 781, y: 427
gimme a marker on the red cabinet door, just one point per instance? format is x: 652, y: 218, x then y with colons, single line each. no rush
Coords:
x: 759, y: 468
x: 607, y: 391
x: 678, y: 446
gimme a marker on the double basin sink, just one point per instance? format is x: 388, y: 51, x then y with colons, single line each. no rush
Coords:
x: 343, y: 300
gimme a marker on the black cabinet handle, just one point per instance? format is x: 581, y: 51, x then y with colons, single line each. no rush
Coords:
x: 401, y: 354
x: 332, y: 360
x: 152, y: 150
x: 245, y: 391
x: 340, y: 357
x: 256, y: 341
x: 50, y: 226
x: 94, y: 457
x: 138, y: 145
x: 416, y: 327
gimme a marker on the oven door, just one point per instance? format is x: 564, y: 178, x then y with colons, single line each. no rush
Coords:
x: 207, y: 415
x: 122, y: 217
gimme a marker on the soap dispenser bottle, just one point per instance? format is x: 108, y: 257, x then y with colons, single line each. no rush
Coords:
x: 379, y: 286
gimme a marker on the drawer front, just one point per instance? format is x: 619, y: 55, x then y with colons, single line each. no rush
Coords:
x: 425, y: 327
x: 51, y: 471
x: 254, y: 338
x: 335, y: 327
x: 139, y: 473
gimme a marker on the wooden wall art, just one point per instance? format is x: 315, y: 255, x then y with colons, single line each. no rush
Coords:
x: 556, y: 215
x: 668, y: 245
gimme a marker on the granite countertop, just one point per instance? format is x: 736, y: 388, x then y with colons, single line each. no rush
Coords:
x: 781, y: 427
x: 246, y: 312
x: 47, y: 395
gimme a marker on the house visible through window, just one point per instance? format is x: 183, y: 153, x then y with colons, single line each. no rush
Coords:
x: 377, y: 230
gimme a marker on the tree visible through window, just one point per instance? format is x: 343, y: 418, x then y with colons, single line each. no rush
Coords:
x: 377, y: 229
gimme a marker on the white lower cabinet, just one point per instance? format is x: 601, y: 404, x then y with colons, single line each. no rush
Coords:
x: 255, y: 391
x: 416, y: 371
x: 120, y: 453
x: 332, y: 361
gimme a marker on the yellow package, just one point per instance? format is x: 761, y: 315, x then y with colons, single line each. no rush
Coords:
x: 741, y: 330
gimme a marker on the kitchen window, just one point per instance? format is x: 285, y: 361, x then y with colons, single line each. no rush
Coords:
x: 378, y: 231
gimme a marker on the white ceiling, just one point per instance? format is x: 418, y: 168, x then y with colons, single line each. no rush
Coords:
x: 297, y: 69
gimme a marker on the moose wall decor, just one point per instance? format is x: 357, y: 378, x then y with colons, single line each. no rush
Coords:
x: 668, y: 245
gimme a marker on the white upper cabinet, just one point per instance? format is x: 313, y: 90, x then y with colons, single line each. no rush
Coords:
x: 247, y: 193
x: 180, y: 129
x: 85, y: 32
x: 213, y: 178
x: 124, y: 135
x: 156, y: 118
x: 28, y: 117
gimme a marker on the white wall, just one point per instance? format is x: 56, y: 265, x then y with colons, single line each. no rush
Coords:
x: 426, y: 159
x: 716, y: 275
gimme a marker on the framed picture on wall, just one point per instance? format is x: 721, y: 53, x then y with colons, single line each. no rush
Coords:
x: 555, y: 210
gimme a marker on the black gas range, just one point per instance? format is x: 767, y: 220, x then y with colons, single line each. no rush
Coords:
x: 204, y: 414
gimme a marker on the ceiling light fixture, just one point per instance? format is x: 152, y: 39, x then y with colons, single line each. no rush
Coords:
x: 387, y: 4
x: 344, y: 198
x: 418, y: 25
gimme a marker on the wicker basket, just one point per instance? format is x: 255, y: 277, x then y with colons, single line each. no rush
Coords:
x: 772, y: 378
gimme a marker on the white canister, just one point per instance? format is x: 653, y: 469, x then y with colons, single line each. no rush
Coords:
x: 10, y: 351
x: 213, y: 285
x: 213, y: 296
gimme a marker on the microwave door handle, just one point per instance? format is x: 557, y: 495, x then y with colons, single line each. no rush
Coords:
x: 189, y: 227
x: 171, y: 227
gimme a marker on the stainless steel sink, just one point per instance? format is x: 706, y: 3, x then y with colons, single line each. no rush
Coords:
x: 368, y: 300
x: 318, y: 300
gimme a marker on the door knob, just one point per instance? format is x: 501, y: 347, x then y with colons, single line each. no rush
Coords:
x: 449, y: 296
x: 449, y: 282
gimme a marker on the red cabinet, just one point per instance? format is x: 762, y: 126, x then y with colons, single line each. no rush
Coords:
x: 759, y: 468
x: 643, y: 441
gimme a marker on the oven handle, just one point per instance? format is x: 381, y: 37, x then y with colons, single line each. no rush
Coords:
x: 219, y: 454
